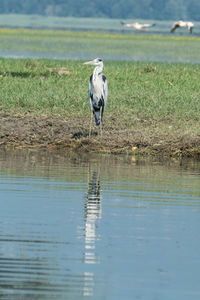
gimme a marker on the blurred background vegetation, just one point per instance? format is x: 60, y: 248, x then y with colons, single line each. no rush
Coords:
x: 142, y: 9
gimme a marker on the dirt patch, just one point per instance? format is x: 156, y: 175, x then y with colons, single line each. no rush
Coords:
x: 55, y: 132
x: 59, y: 71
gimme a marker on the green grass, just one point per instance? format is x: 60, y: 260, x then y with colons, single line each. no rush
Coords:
x: 149, y: 104
x: 136, y: 89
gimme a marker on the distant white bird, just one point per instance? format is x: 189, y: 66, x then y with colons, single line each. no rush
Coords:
x: 178, y: 24
x: 98, y: 92
x: 137, y: 25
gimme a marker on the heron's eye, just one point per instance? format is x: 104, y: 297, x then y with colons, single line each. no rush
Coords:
x: 99, y: 59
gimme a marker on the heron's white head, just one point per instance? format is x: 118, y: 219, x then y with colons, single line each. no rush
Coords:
x: 95, y: 62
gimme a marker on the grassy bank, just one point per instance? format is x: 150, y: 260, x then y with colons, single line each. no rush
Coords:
x: 84, y: 45
x: 84, y: 24
x: 152, y: 106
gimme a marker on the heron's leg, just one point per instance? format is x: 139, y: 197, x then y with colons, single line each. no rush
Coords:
x: 90, y: 123
x: 101, y: 121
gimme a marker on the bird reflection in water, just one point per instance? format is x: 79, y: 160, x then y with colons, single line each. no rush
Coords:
x: 92, y: 211
x: 92, y: 214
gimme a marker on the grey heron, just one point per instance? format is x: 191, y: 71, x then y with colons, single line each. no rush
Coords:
x: 137, y: 25
x: 98, y: 92
x: 178, y: 24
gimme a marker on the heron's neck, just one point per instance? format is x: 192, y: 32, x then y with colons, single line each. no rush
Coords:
x: 97, y: 71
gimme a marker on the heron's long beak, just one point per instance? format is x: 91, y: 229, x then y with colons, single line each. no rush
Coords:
x: 88, y: 62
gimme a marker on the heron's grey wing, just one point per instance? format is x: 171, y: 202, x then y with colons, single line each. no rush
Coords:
x: 105, y: 90
x: 90, y: 93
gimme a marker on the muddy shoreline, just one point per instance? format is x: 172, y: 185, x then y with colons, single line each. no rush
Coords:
x: 56, y: 132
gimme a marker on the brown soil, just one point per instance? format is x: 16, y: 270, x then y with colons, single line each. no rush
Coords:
x: 55, y: 132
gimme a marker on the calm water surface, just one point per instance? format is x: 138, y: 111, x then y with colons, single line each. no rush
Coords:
x: 98, y: 227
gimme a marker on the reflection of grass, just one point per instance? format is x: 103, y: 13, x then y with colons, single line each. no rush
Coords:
x: 70, y: 44
x: 113, y: 168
